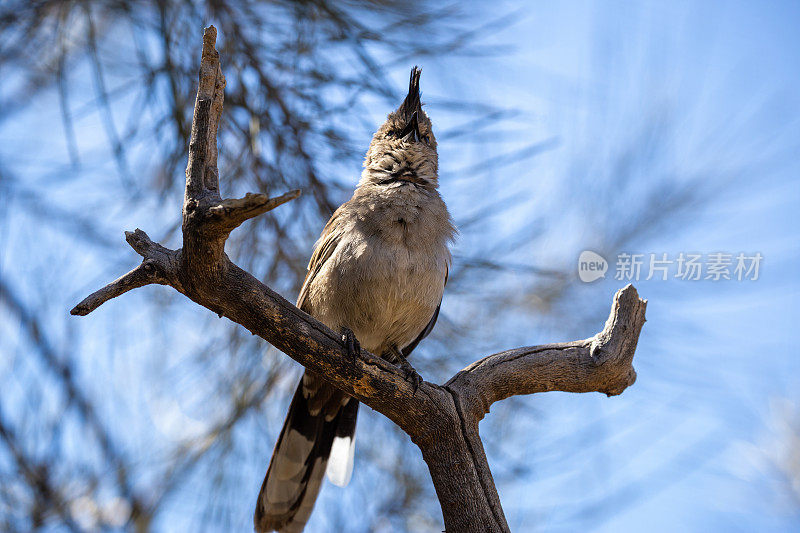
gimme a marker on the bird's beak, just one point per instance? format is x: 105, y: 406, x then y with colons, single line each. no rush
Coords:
x: 411, y: 107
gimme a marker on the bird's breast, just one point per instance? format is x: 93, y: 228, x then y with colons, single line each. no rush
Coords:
x: 385, y: 286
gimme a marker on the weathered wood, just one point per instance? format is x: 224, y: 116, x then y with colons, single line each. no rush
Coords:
x: 441, y: 420
x: 603, y: 363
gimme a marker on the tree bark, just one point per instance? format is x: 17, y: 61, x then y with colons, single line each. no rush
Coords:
x: 441, y: 420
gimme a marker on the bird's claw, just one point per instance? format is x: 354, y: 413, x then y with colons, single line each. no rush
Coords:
x: 410, y: 374
x: 351, y: 343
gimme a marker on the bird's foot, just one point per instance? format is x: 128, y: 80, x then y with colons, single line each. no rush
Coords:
x: 351, y: 344
x: 409, y: 373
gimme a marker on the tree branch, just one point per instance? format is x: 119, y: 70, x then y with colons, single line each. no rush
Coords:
x: 233, y: 213
x: 441, y: 420
x: 602, y: 363
x: 157, y: 266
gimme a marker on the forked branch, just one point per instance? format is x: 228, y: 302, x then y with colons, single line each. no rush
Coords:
x: 603, y: 363
x: 441, y: 420
x: 156, y: 266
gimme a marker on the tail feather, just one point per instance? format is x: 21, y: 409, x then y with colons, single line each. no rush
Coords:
x: 340, y: 460
x: 298, y: 463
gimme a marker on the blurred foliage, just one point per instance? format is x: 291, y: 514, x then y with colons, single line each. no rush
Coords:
x: 300, y: 75
x: 157, y: 416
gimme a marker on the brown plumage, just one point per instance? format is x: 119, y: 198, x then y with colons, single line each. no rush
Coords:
x: 379, y: 269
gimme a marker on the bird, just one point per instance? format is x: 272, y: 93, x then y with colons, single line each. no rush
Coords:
x: 377, y: 274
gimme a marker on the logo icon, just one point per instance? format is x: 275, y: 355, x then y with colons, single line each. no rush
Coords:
x: 591, y: 266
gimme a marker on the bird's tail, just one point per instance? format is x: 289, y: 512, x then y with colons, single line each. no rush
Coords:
x: 301, y: 456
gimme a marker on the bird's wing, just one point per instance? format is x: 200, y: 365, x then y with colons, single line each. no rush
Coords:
x: 316, y: 420
x: 425, y: 332
x: 322, y: 251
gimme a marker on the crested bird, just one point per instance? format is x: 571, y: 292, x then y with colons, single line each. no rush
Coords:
x: 377, y: 274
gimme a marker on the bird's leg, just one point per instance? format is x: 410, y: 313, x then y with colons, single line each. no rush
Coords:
x: 396, y: 357
x: 350, y: 343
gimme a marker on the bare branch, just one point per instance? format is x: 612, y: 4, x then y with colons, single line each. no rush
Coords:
x: 145, y: 247
x: 158, y: 266
x: 210, y: 60
x: 233, y: 212
x: 602, y: 363
x: 138, y: 277
x: 207, y: 110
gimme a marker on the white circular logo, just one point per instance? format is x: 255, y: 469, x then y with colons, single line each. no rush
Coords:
x: 591, y: 266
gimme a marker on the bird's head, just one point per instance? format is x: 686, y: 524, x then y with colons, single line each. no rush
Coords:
x: 403, y: 150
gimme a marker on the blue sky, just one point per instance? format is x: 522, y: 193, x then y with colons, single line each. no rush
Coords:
x: 694, y: 96
x: 717, y: 362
